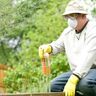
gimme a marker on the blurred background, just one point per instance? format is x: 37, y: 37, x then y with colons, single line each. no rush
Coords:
x: 24, y: 26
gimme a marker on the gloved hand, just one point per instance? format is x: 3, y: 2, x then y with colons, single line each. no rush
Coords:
x: 44, y: 49
x: 70, y: 86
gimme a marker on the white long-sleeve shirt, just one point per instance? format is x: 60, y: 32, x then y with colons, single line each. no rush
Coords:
x: 80, y: 48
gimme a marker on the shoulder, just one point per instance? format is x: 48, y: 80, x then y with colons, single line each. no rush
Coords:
x: 67, y: 30
x: 91, y: 24
x: 91, y: 28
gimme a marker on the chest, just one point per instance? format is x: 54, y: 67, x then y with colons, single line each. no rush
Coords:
x: 74, y: 43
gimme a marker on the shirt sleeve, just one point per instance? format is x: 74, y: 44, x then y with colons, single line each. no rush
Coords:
x: 58, y: 45
x: 88, y: 55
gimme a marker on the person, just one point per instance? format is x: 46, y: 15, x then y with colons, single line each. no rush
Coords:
x: 78, y: 41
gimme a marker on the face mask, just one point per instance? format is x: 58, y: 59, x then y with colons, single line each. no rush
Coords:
x: 72, y: 22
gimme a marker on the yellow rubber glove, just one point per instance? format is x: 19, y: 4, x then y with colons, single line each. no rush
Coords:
x: 70, y: 86
x: 44, y: 49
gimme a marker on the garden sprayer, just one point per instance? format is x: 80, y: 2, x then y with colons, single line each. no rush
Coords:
x: 46, y: 70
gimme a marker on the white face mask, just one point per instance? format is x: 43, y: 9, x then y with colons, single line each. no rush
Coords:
x: 72, y: 22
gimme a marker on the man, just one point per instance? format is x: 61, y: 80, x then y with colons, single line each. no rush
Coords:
x: 79, y: 42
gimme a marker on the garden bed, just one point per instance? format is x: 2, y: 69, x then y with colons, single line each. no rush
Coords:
x: 36, y: 94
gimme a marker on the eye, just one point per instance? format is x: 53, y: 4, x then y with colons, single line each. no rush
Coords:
x: 72, y: 18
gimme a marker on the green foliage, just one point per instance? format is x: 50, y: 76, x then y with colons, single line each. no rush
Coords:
x: 6, y: 30
x: 94, y: 8
x: 36, y: 22
x: 59, y: 64
x: 94, y: 12
x: 23, y: 78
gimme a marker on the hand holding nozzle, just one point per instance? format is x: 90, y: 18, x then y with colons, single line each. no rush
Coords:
x: 44, y: 51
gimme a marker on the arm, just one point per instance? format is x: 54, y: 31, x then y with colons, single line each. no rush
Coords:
x: 58, y: 45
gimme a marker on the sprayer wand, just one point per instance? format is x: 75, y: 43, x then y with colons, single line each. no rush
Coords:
x: 46, y: 70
